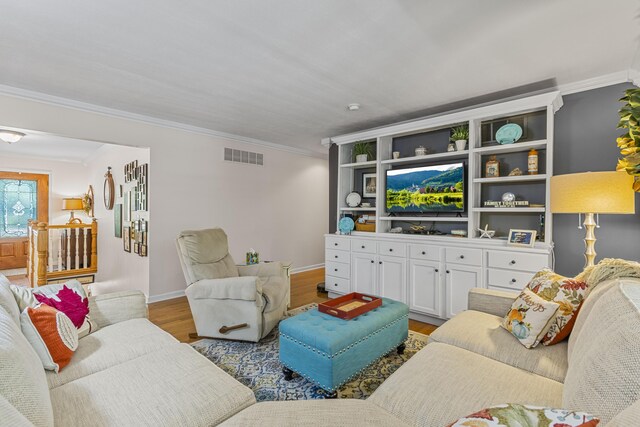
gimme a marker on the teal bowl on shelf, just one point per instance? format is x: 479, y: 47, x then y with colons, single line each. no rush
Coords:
x: 509, y: 133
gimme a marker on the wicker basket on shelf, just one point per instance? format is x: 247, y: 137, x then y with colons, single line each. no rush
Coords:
x: 369, y: 226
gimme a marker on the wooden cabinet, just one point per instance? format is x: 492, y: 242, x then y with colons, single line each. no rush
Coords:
x: 425, y: 287
x: 459, y: 279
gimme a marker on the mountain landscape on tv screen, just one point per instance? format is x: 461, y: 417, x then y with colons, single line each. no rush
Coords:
x: 428, y: 189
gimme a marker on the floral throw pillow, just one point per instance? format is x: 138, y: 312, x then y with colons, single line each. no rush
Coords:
x: 568, y: 293
x: 530, y: 318
x: 516, y: 415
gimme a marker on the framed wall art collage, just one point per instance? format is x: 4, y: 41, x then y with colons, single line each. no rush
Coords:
x: 134, y: 205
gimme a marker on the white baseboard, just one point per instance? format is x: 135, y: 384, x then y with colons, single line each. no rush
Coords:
x: 164, y: 297
x: 307, y: 268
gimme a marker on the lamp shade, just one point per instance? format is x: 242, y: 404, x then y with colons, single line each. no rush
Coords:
x: 72, y: 204
x: 593, y: 192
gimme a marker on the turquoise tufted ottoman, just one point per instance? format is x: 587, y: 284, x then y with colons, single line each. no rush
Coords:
x: 330, y: 351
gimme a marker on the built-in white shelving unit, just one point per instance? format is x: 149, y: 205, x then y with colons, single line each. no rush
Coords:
x: 535, y: 113
x: 433, y: 272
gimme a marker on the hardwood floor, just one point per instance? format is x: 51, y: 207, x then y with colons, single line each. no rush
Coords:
x: 174, y: 316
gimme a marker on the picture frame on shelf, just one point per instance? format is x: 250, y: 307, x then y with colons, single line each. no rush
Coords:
x: 369, y: 184
x: 136, y: 248
x: 126, y: 239
x: 143, y: 250
x: 526, y: 238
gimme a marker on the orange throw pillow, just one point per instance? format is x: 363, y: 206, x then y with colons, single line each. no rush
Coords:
x: 52, y: 335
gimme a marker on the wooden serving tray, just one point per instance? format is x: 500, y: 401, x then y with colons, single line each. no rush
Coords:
x: 349, y: 306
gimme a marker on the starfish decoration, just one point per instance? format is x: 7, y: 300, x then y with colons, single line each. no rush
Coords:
x: 485, y: 232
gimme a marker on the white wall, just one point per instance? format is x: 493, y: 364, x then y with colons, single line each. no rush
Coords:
x: 117, y: 269
x: 279, y: 209
x: 66, y: 179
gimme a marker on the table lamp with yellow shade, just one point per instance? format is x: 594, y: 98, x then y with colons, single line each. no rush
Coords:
x: 592, y: 193
x: 72, y: 204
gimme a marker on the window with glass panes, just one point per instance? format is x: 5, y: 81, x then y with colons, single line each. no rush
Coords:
x: 18, y: 204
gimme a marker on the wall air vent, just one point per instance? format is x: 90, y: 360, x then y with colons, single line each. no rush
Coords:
x: 240, y: 156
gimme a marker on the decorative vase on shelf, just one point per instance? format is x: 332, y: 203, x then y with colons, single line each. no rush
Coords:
x: 421, y: 151
x: 461, y: 144
x: 361, y: 158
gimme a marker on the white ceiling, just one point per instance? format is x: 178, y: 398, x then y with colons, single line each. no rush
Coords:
x: 51, y: 147
x: 284, y: 70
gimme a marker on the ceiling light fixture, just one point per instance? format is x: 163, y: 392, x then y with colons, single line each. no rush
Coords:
x: 10, y: 136
x: 353, y: 107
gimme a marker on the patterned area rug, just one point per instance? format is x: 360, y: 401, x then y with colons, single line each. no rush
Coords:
x: 256, y: 365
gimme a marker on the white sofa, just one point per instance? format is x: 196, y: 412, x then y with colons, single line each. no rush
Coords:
x: 127, y: 373
x: 471, y: 363
x: 131, y: 373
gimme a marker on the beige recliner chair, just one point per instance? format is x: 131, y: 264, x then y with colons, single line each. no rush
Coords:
x: 229, y: 301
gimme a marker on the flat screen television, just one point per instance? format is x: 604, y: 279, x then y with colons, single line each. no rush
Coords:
x: 425, y: 189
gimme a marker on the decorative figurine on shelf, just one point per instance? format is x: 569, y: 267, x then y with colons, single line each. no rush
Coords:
x: 508, y: 197
x: 532, y: 162
x: 451, y: 147
x: 486, y: 233
x: 515, y: 172
x: 252, y: 257
x: 492, y: 168
x: 421, y: 151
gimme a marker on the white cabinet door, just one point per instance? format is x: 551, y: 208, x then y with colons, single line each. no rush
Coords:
x: 425, y: 287
x: 459, y: 280
x: 363, y: 273
x: 392, y: 272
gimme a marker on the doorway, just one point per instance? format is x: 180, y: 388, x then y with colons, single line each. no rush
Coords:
x: 23, y: 196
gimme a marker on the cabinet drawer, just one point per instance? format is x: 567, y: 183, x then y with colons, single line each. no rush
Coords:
x: 392, y: 248
x: 336, y: 243
x: 426, y: 252
x: 517, y: 260
x: 337, y: 256
x: 363, y: 245
x: 514, y: 280
x: 336, y: 284
x: 464, y: 256
x: 337, y: 269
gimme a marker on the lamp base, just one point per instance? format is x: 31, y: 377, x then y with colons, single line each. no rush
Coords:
x: 74, y: 220
x: 589, y: 240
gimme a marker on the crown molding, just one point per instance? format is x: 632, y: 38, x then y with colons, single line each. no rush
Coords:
x: 626, y: 76
x: 112, y: 112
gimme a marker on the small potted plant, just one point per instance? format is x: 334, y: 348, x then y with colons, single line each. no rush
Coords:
x: 362, y: 151
x: 460, y: 135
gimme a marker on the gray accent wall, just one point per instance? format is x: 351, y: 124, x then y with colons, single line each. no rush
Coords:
x: 585, y: 140
x: 585, y: 135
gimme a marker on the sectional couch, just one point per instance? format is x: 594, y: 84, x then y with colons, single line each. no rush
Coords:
x: 132, y: 373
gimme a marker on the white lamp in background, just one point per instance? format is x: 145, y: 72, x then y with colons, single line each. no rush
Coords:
x: 592, y: 193
x: 10, y: 136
